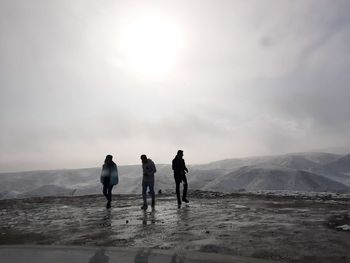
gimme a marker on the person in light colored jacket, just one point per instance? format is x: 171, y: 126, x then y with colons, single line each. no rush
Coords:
x: 149, y: 169
x: 109, y: 178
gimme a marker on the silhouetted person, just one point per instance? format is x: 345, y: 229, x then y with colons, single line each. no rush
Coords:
x: 149, y: 169
x: 99, y: 257
x: 109, y: 178
x: 180, y: 170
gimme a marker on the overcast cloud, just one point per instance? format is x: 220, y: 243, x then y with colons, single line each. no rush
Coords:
x: 250, y: 78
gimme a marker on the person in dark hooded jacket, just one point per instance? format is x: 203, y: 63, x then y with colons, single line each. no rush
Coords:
x: 109, y: 178
x: 180, y: 169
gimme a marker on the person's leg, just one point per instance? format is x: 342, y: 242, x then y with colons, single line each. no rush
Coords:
x: 144, y: 193
x: 177, y: 182
x: 110, y: 193
x: 109, y: 196
x: 104, y: 191
x: 151, y: 189
x: 184, y: 195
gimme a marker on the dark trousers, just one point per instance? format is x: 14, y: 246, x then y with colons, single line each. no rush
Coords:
x: 178, y: 179
x: 150, y: 185
x: 107, y: 191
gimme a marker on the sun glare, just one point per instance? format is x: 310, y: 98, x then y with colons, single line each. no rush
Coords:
x: 151, y: 45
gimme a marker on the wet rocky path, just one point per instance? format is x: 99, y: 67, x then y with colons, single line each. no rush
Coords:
x: 287, y: 229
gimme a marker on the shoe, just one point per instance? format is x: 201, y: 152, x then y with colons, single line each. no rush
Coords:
x: 108, y: 205
x: 179, y: 205
x: 144, y: 207
x: 185, y: 200
x: 153, y: 204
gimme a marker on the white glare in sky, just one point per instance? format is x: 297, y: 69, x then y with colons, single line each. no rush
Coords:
x: 151, y: 45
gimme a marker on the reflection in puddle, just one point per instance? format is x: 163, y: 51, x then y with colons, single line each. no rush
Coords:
x: 99, y: 257
x: 183, y: 214
x: 142, y: 256
x: 176, y: 259
x: 107, y: 218
x: 148, y: 218
x: 145, y: 218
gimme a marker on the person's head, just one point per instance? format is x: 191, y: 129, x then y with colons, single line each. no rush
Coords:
x: 108, y: 159
x: 180, y: 153
x: 143, y: 158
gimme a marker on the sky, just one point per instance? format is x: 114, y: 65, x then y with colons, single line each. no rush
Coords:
x: 218, y: 79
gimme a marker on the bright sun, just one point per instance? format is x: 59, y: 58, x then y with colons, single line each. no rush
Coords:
x: 151, y: 45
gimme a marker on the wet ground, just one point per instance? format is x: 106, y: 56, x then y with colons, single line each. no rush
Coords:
x: 71, y: 254
x: 291, y: 229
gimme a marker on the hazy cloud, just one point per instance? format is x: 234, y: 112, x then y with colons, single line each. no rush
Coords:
x: 251, y: 78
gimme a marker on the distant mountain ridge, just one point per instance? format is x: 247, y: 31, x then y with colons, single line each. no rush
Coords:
x: 274, y: 178
x: 294, y: 172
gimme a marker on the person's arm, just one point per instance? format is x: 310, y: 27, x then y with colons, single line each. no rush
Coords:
x: 185, y: 168
x: 116, y: 170
x: 144, y: 171
x: 154, y: 167
x: 114, y: 175
x: 103, y: 174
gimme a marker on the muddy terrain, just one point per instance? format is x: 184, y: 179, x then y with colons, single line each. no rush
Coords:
x: 285, y: 228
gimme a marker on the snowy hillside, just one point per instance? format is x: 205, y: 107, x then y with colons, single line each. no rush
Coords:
x: 48, y: 190
x: 294, y: 160
x: 255, y: 178
x: 342, y: 164
x: 297, y: 172
x: 317, y: 163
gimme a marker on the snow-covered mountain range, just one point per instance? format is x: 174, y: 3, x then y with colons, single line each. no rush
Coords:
x: 295, y: 172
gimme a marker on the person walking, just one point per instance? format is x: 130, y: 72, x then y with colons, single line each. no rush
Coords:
x: 180, y: 169
x: 109, y: 178
x: 149, y: 169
